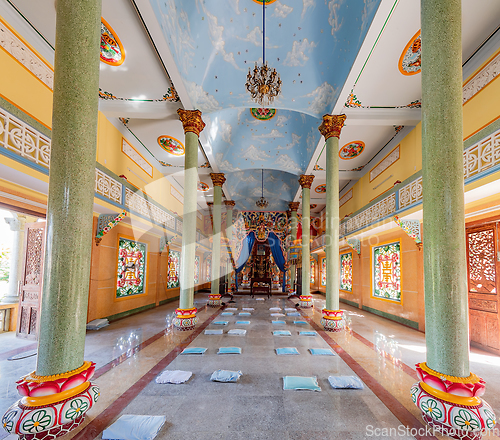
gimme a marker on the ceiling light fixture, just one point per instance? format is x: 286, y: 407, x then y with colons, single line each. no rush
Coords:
x: 264, y: 83
x: 262, y: 203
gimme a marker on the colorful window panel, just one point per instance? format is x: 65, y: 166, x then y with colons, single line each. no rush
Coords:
x: 209, y: 270
x: 196, y: 269
x: 312, y: 272
x: 131, y: 268
x: 174, y: 260
x: 346, y: 272
x: 323, y: 272
x: 387, y: 271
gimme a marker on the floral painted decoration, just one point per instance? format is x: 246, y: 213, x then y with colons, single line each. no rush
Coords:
x: 263, y: 114
x: 203, y: 187
x: 346, y: 272
x: 387, y: 271
x: 112, y: 52
x: 171, y: 145
x: 320, y: 189
x: 412, y: 229
x: 410, y: 62
x: 131, y: 268
x: 102, y: 232
x: 351, y: 150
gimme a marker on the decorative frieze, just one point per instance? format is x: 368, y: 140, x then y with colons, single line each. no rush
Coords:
x: 23, y: 140
x: 135, y: 157
x: 378, y: 211
x: 481, y: 79
x: 345, y: 198
x: 483, y: 155
x: 25, y: 56
x: 135, y: 202
x: 411, y: 193
x: 385, y: 163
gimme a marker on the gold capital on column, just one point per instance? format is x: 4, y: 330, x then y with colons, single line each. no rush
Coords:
x: 332, y: 125
x: 218, y: 179
x: 230, y: 203
x: 306, y: 181
x: 191, y: 121
x: 294, y: 206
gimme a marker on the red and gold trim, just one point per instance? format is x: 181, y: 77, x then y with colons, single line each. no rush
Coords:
x: 306, y: 301
x: 332, y: 320
x: 186, y: 319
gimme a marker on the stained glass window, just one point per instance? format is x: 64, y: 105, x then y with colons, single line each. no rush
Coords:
x: 323, y: 272
x: 346, y: 271
x: 174, y: 259
x: 312, y: 272
x: 387, y: 271
x: 196, y: 269
x: 209, y: 270
x: 131, y: 268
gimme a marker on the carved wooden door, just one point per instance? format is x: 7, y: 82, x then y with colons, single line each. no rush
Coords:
x: 31, y: 282
x: 483, y: 283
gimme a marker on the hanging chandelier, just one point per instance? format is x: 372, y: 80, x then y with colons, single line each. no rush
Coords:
x: 264, y: 83
x: 262, y: 203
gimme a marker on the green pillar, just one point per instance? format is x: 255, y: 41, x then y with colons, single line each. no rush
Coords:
x: 229, y: 234
x: 218, y: 180
x: 63, y: 315
x: 445, y: 268
x: 330, y: 129
x: 193, y: 125
x: 293, y: 233
x: 305, y: 297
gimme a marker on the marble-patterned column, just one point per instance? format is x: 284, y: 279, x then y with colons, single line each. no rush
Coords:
x: 294, y: 206
x: 186, y: 313
x: 448, y: 394
x: 214, y: 298
x: 306, y: 297
x: 61, y: 381
x: 16, y: 225
x: 332, y: 315
x: 229, y: 235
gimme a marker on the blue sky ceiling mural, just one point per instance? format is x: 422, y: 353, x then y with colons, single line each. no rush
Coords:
x: 311, y: 43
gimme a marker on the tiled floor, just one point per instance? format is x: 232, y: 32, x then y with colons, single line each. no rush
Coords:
x: 131, y: 352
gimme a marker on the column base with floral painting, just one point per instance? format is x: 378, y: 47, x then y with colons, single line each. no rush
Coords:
x: 333, y: 320
x: 306, y: 301
x: 452, y: 405
x: 185, y: 319
x: 51, y: 406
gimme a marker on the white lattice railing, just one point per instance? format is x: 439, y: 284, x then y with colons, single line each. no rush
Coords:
x: 20, y: 138
x: 411, y: 193
x: 135, y: 202
x: 108, y: 187
x: 483, y: 155
x: 379, y: 210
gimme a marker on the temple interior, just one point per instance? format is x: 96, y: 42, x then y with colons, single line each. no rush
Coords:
x: 249, y: 219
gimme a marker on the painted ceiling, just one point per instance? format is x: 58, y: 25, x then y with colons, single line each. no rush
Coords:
x: 333, y: 56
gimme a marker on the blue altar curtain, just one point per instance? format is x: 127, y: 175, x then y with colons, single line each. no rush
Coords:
x: 279, y: 258
x: 246, y: 250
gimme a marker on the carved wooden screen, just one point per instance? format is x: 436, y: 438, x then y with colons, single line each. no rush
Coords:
x: 482, y: 269
x: 31, y: 282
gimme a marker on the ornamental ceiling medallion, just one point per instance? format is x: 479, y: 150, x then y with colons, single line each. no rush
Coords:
x: 171, y: 145
x: 112, y: 51
x: 321, y: 189
x: 351, y: 150
x: 203, y: 187
x: 263, y: 114
x: 313, y: 206
x: 410, y: 61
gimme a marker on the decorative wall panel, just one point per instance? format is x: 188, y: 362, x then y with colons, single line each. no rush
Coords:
x: 345, y: 198
x: 196, y: 269
x: 346, y: 272
x: 487, y: 74
x: 312, y: 272
x: 131, y: 279
x: 385, y: 163
x: 323, y: 271
x: 481, y: 261
x: 483, y: 155
x: 174, y: 261
x: 209, y: 270
x: 386, y: 271
x: 135, y: 157
x: 411, y: 193
x: 107, y: 186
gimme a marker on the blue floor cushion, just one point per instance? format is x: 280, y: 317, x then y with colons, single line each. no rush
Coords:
x: 132, y: 427
x: 194, y: 350
x: 351, y: 382
x: 248, y: 309
x: 322, y: 351
x: 301, y: 383
x: 287, y: 350
x: 237, y: 332
x: 220, y: 322
x: 244, y: 313
x: 225, y: 376
x: 231, y: 309
x: 275, y: 309
x: 278, y: 322
x: 277, y: 314
x: 300, y: 322
x: 281, y: 333
x: 293, y: 313
x: 214, y: 332
x: 242, y: 322
x: 290, y: 309
x: 226, y: 314
x: 308, y: 333
x: 229, y: 350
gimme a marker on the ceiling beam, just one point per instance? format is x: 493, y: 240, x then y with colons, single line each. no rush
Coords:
x: 383, y: 116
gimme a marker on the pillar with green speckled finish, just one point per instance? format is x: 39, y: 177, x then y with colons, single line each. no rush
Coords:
x: 305, y: 296
x: 214, y: 298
